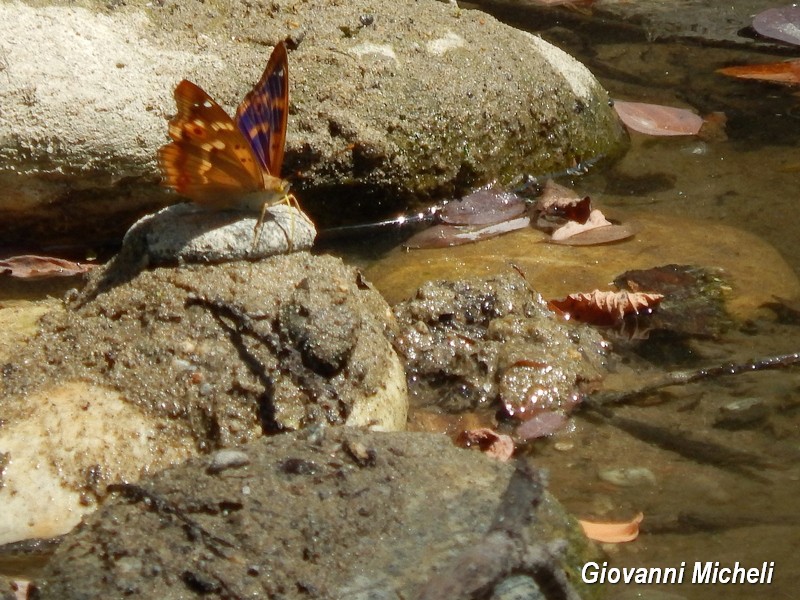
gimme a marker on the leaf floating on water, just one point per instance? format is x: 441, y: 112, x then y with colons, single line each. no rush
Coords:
x: 600, y: 235
x: 493, y: 444
x: 443, y: 236
x: 572, y: 220
x: 655, y: 119
x: 488, y: 205
x: 29, y: 266
x: 605, y: 308
x: 779, y: 24
x: 787, y: 72
x: 612, y: 533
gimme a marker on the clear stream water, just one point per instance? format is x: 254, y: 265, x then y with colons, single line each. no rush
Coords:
x: 748, y: 179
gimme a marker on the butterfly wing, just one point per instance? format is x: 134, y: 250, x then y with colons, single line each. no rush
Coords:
x: 209, y: 161
x: 263, y: 113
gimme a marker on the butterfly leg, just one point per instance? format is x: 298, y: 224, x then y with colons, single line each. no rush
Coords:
x: 289, y: 200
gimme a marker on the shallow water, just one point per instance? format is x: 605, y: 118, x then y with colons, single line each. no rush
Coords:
x: 695, y: 511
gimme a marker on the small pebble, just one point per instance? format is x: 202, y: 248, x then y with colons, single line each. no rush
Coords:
x: 564, y: 446
x: 518, y: 587
x: 741, y: 413
x: 227, y: 458
x: 628, y: 476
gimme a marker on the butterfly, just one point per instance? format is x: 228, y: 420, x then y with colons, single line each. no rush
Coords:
x: 222, y: 163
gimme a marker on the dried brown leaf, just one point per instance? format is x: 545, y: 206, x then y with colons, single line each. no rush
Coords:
x: 605, y: 307
x: 28, y: 266
x: 557, y: 201
x: 787, y: 72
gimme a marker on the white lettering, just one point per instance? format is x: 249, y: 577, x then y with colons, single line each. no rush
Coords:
x: 702, y: 574
x: 591, y: 577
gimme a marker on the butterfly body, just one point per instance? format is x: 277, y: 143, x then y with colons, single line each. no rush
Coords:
x: 230, y: 163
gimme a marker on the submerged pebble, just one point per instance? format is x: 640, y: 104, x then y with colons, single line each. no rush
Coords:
x: 741, y: 413
x: 628, y: 476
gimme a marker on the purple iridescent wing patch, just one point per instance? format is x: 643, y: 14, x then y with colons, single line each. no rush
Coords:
x: 263, y: 113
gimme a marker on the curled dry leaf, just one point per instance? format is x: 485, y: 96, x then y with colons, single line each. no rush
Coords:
x: 612, y: 533
x: 443, y: 236
x: 605, y: 308
x: 572, y: 220
x: 488, y: 205
x: 787, y: 72
x: 557, y: 201
x: 29, y: 266
x: 490, y: 443
x: 655, y: 119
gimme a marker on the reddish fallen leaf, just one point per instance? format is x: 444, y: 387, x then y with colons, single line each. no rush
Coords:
x: 787, y: 72
x: 605, y: 308
x: 612, y: 533
x: 492, y: 444
x: 655, y: 119
x: 28, y: 266
x: 485, y: 206
x: 779, y: 23
x: 443, y: 236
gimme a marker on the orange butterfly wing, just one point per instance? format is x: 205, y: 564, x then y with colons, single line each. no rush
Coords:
x: 211, y: 162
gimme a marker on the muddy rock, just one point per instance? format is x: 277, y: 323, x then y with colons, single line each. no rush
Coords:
x: 173, y: 362
x: 326, y: 513
x: 480, y: 342
x: 390, y: 104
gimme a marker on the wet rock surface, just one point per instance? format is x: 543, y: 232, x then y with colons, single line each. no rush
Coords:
x: 649, y: 20
x: 179, y: 361
x: 383, y: 112
x: 494, y: 342
x: 327, y: 513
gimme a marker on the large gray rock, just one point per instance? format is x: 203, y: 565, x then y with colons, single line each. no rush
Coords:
x: 149, y: 368
x: 334, y: 514
x: 390, y: 104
